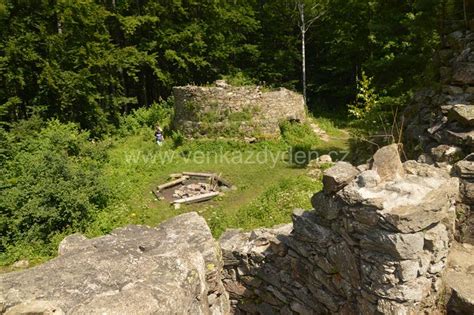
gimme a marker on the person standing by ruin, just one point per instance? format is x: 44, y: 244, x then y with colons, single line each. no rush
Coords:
x: 159, y: 136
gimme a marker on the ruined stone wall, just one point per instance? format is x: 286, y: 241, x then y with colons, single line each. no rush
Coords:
x: 375, y: 243
x: 224, y: 110
x: 440, y: 122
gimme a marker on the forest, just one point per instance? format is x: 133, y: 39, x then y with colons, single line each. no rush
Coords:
x: 84, y: 81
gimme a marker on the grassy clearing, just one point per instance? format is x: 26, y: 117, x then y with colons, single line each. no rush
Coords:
x: 268, y: 186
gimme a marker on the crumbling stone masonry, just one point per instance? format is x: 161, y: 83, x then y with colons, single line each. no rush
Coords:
x: 372, y: 245
x: 440, y: 122
x: 224, y: 110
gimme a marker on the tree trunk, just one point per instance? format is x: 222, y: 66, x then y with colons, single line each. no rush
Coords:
x: 303, y: 52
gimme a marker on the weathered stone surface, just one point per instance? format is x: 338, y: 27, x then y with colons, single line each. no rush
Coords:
x: 21, y: 264
x: 464, y: 114
x: 460, y: 279
x: 328, y: 206
x: 463, y: 73
x: 440, y: 124
x: 345, y: 262
x: 35, y: 307
x: 467, y: 192
x: 446, y: 153
x: 387, y: 163
x: 402, y: 246
x: 71, y: 243
x: 372, y: 245
x: 431, y: 208
x: 369, y: 179
x: 306, y: 228
x: 326, y: 158
x: 465, y: 169
x: 134, y: 270
x: 338, y: 176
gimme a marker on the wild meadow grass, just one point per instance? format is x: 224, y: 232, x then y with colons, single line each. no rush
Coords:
x: 268, y: 186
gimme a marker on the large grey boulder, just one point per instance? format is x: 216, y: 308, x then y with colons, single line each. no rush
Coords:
x: 408, y: 204
x: 172, y: 269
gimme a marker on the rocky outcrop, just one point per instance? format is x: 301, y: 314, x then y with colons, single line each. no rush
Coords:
x: 172, y: 269
x: 374, y: 244
x: 224, y: 110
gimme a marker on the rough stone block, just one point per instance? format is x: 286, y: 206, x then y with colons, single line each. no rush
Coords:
x: 398, y: 245
x: 306, y: 227
x: 387, y: 163
x: 463, y: 73
x: 328, y: 206
x: 336, y: 177
x: 464, y: 114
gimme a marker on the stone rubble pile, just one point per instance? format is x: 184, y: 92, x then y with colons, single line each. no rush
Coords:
x: 193, y: 189
x: 441, y: 121
x: 375, y: 243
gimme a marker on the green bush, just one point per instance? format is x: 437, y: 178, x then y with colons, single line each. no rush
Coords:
x: 157, y: 113
x: 301, y: 139
x: 177, y: 138
x: 374, y: 112
x: 51, y: 184
x: 239, y: 78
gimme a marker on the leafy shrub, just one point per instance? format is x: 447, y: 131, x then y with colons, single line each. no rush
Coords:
x: 51, y: 183
x: 301, y: 139
x: 157, y: 113
x: 177, y: 138
x: 367, y: 100
x: 375, y: 112
x: 239, y: 79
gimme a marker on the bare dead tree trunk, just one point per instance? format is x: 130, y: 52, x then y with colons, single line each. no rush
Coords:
x: 304, y: 25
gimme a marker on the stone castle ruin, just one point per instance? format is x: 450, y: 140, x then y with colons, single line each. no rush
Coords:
x: 378, y: 241
x: 230, y: 111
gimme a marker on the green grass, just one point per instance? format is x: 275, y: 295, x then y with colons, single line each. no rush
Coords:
x: 257, y: 184
x: 266, y: 194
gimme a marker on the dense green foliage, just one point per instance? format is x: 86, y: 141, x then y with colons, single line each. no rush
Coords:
x: 51, y: 182
x: 91, y: 61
